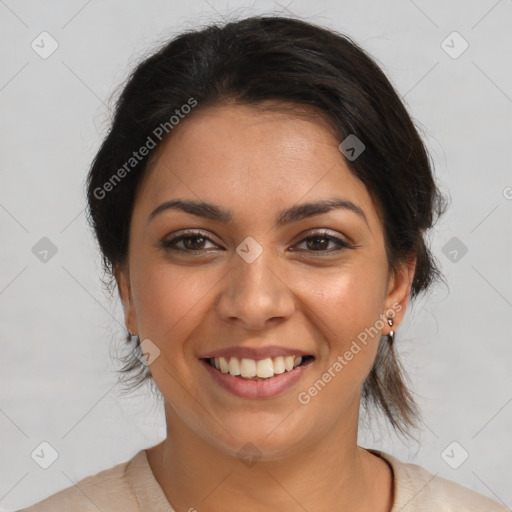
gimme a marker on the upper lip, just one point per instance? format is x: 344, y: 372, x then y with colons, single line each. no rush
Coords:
x: 254, y: 353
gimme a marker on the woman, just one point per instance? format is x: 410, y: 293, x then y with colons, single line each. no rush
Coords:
x: 261, y: 202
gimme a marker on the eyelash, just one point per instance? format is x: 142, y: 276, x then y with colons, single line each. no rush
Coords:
x: 172, y: 243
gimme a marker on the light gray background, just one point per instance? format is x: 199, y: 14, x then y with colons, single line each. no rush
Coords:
x: 56, y: 323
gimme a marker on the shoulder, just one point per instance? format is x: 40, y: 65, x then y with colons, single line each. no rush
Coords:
x: 110, y: 489
x: 418, y: 490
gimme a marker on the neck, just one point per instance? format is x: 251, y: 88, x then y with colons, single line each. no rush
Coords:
x: 331, y: 473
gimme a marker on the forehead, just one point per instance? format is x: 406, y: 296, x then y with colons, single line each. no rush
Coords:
x: 254, y: 156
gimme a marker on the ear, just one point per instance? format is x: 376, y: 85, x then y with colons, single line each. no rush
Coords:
x: 122, y: 275
x: 398, y: 292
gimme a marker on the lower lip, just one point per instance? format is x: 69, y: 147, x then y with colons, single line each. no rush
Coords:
x: 247, y: 388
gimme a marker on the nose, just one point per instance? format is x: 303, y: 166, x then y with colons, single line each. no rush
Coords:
x: 255, y: 294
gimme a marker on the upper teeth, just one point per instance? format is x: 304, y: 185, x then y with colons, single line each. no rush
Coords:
x: 262, y: 368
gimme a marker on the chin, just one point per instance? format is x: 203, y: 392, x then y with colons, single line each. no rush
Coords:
x: 257, y: 442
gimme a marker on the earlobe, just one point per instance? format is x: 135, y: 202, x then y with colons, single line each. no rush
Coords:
x: 399, y: 290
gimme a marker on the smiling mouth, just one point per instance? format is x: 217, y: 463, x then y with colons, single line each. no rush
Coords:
x: 262, y: 369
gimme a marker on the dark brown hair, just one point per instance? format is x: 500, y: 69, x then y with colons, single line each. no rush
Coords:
x: 297, y: 63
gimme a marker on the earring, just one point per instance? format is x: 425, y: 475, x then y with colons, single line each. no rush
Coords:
x: 391, y: 335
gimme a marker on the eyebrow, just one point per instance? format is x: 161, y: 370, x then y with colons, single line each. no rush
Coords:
x: 283, y: 218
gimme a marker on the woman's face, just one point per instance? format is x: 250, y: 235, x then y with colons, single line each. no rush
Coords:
x: 257, y: 277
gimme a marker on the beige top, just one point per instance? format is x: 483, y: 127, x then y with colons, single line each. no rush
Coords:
x: 131, y: 487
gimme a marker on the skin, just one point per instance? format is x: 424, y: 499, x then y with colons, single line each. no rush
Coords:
x: 255, y: 163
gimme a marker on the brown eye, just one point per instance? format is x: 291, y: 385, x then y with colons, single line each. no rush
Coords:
x: 191, y: 242
x: 319, y: 242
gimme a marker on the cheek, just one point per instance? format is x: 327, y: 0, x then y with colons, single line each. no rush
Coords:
x: 348, y: 300
x: 347, y: 306
x: 169, y: 299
